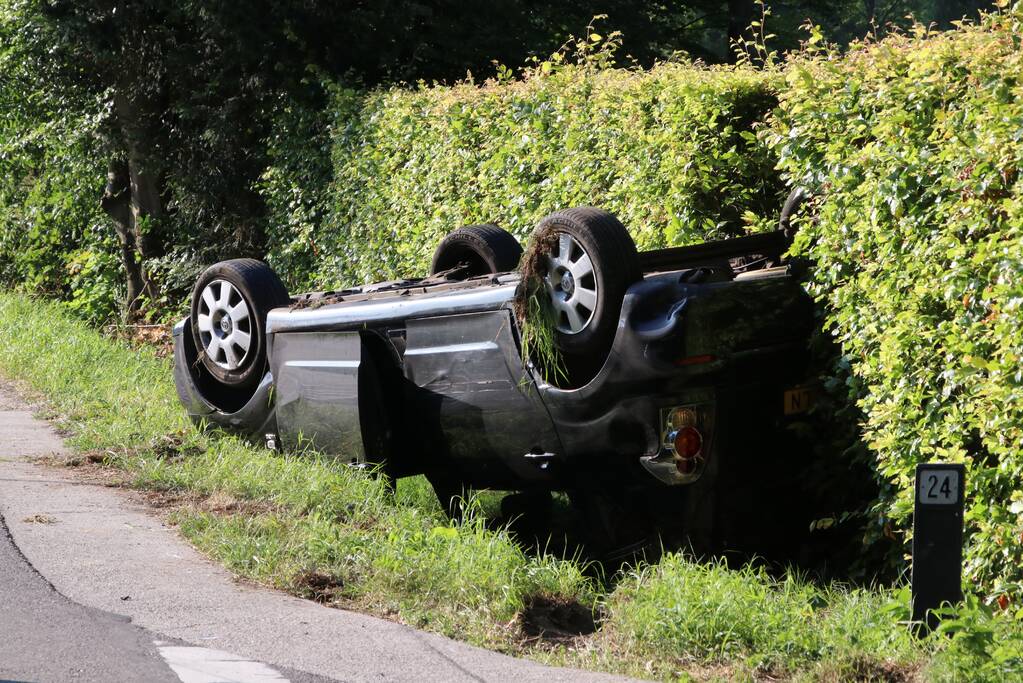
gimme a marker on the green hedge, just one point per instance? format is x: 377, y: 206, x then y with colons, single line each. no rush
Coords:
x: 671, y: 151
x: 914, y: 146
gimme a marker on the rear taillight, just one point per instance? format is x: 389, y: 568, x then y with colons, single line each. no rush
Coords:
x: 688, y: 442
x: 684, y: 439
x: 688, y: 445
x: 687, y: 436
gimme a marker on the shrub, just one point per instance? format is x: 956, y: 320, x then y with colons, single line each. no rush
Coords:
x: 913, y: 147
x: 670, y: 151
x: 53, y: 234
x: 296, y: 187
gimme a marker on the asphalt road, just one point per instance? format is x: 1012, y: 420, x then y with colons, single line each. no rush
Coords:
x: 93, y: 586
x: 46, y: 637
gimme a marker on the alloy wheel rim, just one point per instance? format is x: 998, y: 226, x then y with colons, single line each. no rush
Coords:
x: 225, y: 325
x: 571, y: 284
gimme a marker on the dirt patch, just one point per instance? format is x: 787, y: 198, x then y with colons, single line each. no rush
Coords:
x: 172, y: 447
x: 875, y: 671
x: 101, y: 466
x: 318, y: 586
x: 79, y: 459
x: 17, y: 395
x: 95, y: 467
x: 218, y: 503
x: 89, y: 468
x: 165, y: 447
x: 40, y: 519
x: 156, y: 337
x: 555, y: 620
x: 167, y: 501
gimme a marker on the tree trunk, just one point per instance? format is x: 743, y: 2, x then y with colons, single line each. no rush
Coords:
x: 145, y: 170
x: 740, y: 15
x: 116, y: 202
x: 142, y: 178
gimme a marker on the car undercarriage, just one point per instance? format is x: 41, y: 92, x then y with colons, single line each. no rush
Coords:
x: 684, y: 378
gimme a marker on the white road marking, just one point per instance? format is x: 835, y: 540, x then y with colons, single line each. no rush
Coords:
x: 203, y: 665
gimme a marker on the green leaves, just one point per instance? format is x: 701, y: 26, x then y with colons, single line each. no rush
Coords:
x: 912, y: 145
x: 671, y: 151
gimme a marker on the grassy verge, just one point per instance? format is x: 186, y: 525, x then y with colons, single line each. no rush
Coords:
x: 315, y: 528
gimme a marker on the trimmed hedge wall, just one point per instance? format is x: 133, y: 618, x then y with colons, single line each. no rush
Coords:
x: 671, y: 151
x: 914, y: 147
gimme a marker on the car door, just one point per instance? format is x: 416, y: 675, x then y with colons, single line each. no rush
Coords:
x: 469, y: 380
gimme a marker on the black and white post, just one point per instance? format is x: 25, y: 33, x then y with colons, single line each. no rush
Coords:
x: 937, y: 539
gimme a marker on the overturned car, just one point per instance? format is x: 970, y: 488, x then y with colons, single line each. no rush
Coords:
x: 677, y: 368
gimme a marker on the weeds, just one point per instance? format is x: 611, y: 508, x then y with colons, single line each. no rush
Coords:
x: 535, y: 313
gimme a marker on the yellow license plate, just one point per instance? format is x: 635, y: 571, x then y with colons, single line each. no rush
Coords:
x: 798, y: 400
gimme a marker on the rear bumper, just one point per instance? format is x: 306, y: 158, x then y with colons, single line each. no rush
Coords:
x: 682, y: 344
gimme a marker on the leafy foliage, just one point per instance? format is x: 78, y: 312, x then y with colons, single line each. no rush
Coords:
x: 203, y: 99
x: 53, y: 237
x: 670, y: 151
x: 913, y: 146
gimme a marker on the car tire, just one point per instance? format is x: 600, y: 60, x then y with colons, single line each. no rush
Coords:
x: 228, y: 319
x: 588, y: 263
x: 485, y: 249
x: 796, y: 198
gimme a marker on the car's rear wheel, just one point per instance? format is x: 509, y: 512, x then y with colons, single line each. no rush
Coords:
x: 228, y: 318
x: 479, y: 250
x: 586, y: 261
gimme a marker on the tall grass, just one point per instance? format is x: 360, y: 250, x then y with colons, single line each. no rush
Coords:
x: 710, y: 613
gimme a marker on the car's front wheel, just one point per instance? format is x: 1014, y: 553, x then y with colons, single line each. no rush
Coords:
x: 228, y: 318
